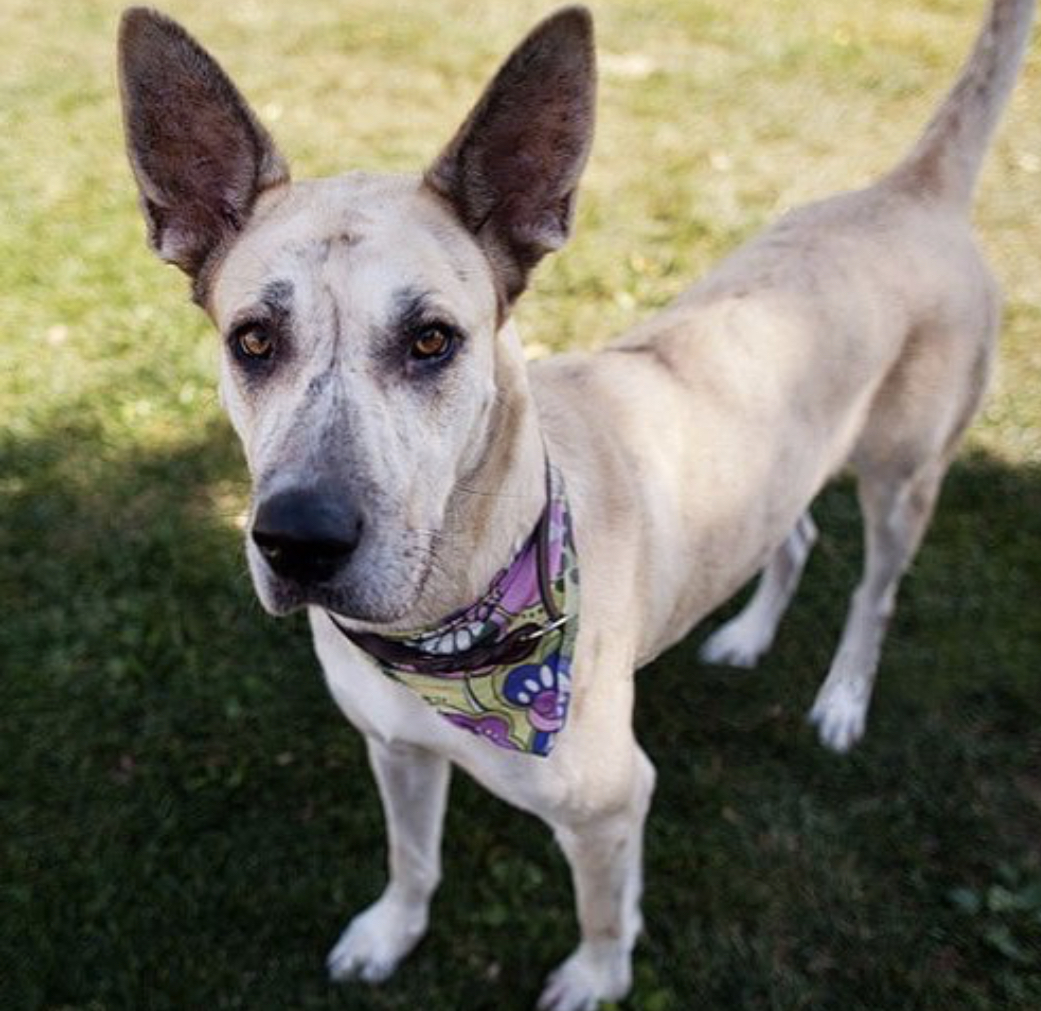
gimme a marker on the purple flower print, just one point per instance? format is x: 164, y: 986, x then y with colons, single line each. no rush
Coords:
x: 535, y: 689
x: 547, y: 712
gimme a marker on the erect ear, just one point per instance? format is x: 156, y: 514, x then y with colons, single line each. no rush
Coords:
x: 512, y: 170
x: 199, y: 155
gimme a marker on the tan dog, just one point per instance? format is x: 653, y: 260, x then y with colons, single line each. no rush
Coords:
x: 397, y: 439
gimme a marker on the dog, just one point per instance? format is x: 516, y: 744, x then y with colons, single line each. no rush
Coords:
x: 488, y: 550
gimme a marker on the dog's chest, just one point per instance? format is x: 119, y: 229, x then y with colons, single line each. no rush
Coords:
x: 392, y: 714
x: 368, y: 698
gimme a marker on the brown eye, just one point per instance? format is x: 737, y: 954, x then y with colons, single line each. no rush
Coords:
x: 254, y: 342
x: 432, y: 342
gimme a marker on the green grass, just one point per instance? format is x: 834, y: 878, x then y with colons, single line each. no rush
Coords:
x: 186, y: 822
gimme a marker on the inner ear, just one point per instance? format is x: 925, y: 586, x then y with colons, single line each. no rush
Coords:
x: 198, y: 153
x: 511, y: 172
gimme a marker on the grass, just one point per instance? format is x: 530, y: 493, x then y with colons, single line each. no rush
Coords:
x: 187, y: 823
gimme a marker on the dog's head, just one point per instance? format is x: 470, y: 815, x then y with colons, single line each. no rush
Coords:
x: 360, y: 315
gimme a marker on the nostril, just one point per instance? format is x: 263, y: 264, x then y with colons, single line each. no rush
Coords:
x: 305, y: 536
x: 269, y: 544
x: 304, y: 560
x: 277, y: 546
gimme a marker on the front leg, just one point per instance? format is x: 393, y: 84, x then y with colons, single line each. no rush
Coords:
x: 605, y: 852
x: 413, y: 785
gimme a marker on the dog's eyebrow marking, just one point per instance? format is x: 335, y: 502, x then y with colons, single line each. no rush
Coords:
x: 412, y: 308
x: 272, y: 308
x: 274, y: 303
x: 277, y: 296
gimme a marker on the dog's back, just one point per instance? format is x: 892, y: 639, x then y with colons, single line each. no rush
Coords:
x: 858, y: 330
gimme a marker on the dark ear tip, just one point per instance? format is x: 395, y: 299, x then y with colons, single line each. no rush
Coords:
x: 137, y: 19
x: 140, y: 25
x: 578, y: 15
x: 575, y: 20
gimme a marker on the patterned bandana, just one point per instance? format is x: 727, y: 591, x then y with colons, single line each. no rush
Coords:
x: 501, y: 668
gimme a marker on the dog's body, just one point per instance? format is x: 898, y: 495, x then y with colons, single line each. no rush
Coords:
x: 859, y: 330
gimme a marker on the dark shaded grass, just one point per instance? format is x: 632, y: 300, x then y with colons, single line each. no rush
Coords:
x: 187, y: 822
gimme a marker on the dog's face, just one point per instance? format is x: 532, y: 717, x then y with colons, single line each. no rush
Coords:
x: 358, y: 322
x: 358, y: 315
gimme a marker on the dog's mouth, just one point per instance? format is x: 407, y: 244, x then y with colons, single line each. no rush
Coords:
x: 361, y: 588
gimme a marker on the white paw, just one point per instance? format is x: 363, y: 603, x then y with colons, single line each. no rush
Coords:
x: 594, y: 973
x: 736, y: 644
x: 839, y: 716
x: 376, y: 941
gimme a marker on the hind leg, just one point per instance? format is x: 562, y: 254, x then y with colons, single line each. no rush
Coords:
x: 910, y: 437
x: 747, y: 636
x: 896, y: 514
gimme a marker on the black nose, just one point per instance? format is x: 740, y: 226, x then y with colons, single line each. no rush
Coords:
x: 306, y: 536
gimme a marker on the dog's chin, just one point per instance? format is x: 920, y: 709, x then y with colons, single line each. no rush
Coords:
x: 357, y: 599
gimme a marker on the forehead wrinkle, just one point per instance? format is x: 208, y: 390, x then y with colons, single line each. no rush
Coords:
x: 335, y: 325
x: 318, y: 250
x: 357, y: 285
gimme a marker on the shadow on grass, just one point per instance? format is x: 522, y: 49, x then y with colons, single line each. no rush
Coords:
x: 188, y: 823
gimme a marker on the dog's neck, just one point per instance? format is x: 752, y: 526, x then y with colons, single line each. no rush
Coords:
x: 498, y: 498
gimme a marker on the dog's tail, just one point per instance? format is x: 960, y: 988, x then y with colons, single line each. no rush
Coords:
x: 947, y: 158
